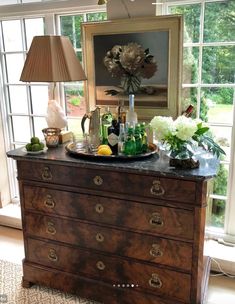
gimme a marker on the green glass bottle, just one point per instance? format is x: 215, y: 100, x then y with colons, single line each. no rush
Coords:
x: 106, y: 122
x: 144, y: 137
x: 130, y: 145
x: 138, y: 139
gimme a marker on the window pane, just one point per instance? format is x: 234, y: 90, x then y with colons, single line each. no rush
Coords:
x: 39, y: 124
x: 190, y: 65
x: 12, y: 35
x: 217, y: 213
x: 219, y: 24
x: 39, y: 99
x: 189, y: 97
x: 18, y: 99
x: 218, y: 64
x: 21, y: 129
x: 222, y: 135
x: 220, y: 181
x: 75, y: 101
x: 219, y: 104
x: 15, y: 64
x: 96, y: 16
x: 191, y: 20
x: 33, y: 27
x: 79, y: 56
x: 7, y: 2
x: 70, y: 26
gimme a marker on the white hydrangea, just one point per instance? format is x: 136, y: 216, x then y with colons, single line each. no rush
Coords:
x: 162, y: 126
x: 185, y: 127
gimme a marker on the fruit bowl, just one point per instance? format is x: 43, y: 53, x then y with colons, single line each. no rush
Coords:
x: 35, y: 152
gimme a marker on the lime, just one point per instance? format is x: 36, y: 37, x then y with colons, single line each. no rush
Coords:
x: 41, y: 145
x: 35, y: 140
x: 28, y: 147
x: 36, y: 147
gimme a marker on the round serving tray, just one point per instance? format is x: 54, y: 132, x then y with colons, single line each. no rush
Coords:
x: 74, y: 150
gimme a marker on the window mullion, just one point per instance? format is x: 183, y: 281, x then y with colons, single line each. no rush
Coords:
x: 230, y: 208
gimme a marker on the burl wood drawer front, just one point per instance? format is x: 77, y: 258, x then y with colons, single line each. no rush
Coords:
x: 118, y: 182
x: 111, y: 269
x: 145, y: 217
x: 140, y: 246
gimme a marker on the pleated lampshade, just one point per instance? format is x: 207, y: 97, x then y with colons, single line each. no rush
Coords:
x: 52, y: 59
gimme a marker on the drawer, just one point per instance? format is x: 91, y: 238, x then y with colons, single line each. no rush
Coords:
x: 144, y: 217
x: 135, y: 245
x: 109, y: 181
x: 111, y: 269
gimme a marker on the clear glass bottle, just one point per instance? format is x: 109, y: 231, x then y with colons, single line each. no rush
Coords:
x: 130, y: 145
x: 131, y: 115
x: 121, y: 139
x: 106, y: 122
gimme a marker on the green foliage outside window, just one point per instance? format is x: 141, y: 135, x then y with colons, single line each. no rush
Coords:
x: 217, y: 67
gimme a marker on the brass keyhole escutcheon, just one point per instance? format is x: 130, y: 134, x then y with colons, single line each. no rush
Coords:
x: 49, y: 202
x: 100, y: 265
x: 46, y: 174
x: 52, y: 256
x: 99, y: 237
x: 156, y: 220
x: 98, y: 180
x: 155, y: 251
x: 157, y: 188
x: 99, y: 208
x: 51, y: 228
x: 155, y: 281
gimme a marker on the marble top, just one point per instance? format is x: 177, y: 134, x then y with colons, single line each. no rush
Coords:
x: 154, y: 164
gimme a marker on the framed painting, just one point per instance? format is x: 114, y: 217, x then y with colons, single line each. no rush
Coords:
x: 147, y: 49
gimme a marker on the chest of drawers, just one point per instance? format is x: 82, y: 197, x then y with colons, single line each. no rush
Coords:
x: 117, y: 233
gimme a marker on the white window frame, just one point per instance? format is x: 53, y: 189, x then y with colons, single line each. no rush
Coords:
x: 49, y: 11
x: 229, y: 225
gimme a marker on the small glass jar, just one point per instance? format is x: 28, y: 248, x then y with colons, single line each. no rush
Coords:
x: 51, y: 136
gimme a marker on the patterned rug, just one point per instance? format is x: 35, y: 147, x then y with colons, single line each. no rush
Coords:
x: 11, y: 291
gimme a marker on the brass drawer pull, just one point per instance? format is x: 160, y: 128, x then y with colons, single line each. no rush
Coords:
x: 51, y: 228
x: 155, y: 251
x: 99, y: 208
x: 49, y: 202
x: 157, y: 188
x: 98, y: 180
x: 156, y: 220
x: 99, y: 237
x: 52, y: 256
x: 155, y: 281
x: 100, y: 265
x: 46, y: 174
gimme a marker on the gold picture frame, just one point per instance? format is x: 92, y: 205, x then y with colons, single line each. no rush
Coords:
x: 163, y: 36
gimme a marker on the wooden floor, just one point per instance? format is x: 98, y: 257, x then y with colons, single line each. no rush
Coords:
x: 221, y: 289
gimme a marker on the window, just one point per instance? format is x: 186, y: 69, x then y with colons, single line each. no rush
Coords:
x: 25, y: 105
x: 76, y: 106
x: 24, y: 117
x: 208, y: 84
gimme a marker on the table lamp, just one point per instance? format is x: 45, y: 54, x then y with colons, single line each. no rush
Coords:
x: 52, y: 59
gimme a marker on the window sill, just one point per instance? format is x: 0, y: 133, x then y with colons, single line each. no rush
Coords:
x: 224, y: 255
x: 10, y: 215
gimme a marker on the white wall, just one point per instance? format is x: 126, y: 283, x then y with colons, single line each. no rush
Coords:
x: 117, y: 9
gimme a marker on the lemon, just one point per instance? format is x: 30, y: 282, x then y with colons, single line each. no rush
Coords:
x: 104, y: 151
x: 103, y: 146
